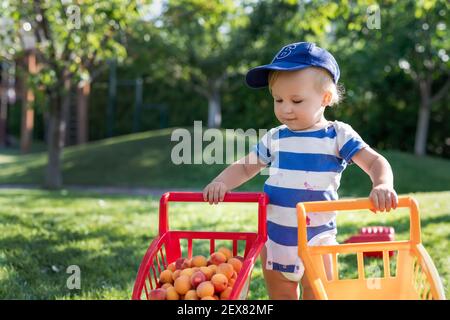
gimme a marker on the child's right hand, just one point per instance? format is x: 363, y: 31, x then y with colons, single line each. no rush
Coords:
x: 215, y: 192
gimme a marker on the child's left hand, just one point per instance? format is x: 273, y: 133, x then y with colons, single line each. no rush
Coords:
x: 383, y: 197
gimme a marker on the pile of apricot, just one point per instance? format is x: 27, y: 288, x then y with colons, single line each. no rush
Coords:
x: 199, y: 278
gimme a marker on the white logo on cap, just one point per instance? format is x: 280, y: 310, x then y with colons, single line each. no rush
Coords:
x: 286, y: 51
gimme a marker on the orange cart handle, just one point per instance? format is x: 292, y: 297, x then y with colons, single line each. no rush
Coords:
x: 355, y: 204
x: 259, y: 197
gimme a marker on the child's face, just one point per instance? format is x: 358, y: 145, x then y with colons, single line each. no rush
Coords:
x: 297, y: 102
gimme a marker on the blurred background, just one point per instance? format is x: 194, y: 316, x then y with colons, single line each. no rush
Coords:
x: 78, y: 72
x: 91, y: 90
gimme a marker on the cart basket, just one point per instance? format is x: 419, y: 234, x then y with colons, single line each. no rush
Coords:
x: 166, y: 248
x: 416, y: 276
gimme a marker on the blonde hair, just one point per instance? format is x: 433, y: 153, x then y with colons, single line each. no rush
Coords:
x: 324, y: 82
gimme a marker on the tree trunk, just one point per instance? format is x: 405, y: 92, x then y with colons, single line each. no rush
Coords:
x: 53, y: 178
x: 420, y: 145
x: 3, y: 103
x: 27, y: 121
x: 83, y: 91
x: 56, y: 135
x: 214, y: 110
x: 3, y: 116
x: 66, y: 99
x: 27, y: 124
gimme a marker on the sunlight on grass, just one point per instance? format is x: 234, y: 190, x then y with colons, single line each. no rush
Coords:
x: 120, y: 139
x: 6, y: 158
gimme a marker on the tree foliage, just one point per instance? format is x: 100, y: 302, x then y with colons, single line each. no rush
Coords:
x: 191, y: 53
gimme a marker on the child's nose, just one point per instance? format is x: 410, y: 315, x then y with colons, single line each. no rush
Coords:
x: 287, y: 108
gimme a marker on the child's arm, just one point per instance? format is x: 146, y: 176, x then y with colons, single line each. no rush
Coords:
x: 232, y: 177
x: 383, y: 195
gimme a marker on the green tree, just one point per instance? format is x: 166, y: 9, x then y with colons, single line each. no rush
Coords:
x: 404, y: 59
x: 208, y: 46
x: 200, y: 39
x: 71, y: 37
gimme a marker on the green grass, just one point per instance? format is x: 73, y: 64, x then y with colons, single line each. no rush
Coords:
x: 144, y: 160
x: 42, y: 233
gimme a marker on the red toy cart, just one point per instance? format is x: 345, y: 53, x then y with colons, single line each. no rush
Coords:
x: 374, y: 234
x: 166, y: 248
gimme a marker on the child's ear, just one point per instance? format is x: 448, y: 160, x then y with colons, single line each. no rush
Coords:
x: 326, y: 99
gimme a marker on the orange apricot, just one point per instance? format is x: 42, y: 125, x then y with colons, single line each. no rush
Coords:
x: 208, y: 272
x: 199, y: 261
x: 187, y: 272
x: 191, y: 295
x: 172, y: 294
x: 225, y: 294
x: 166, y: 285
x: 213, y: 268
x: 220, y: 282
x: 218, y: 258
x: 205, y: 289
x: 236, y: 263
x: 176, y: 274
x: 226, y: 269
x: 227, y: 252
x: 166, y: 276
x: 182, y: 284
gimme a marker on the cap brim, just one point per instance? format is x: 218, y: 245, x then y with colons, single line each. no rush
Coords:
x: 258, y: 76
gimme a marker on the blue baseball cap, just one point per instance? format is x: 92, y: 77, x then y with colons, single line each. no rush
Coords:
x: 294, y: 56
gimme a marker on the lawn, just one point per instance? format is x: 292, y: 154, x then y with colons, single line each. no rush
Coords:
x: 43, y: 233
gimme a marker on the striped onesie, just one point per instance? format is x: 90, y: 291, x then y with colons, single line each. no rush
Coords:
x: 304, y: 165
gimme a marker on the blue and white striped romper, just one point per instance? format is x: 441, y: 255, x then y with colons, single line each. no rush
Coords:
x: 303, y: 165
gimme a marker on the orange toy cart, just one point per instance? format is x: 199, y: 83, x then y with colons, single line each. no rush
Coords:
x: 416, y: 276
x: 166, y: 247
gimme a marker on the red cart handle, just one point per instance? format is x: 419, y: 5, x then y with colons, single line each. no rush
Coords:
x: 260, y: 197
